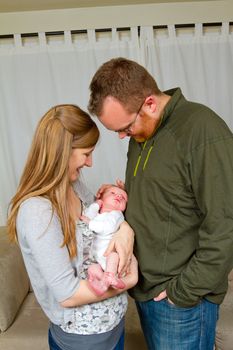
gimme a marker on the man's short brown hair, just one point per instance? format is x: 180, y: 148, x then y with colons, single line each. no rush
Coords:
x: 126, y: 80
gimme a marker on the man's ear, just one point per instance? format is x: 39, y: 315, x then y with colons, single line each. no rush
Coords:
x: 151, y: 103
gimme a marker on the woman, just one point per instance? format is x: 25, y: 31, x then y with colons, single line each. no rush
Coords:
x: 44, y: 218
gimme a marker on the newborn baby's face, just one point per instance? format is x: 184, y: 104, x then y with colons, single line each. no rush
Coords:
x: 115, y: 198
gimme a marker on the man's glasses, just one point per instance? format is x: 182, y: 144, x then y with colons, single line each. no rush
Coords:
x: 128, y: 129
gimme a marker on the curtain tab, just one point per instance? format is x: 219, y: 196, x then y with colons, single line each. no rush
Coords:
x: 198, y: 29
x: 134, y: 33
x: 225, y: 28
x: 67, y: 37
x: 171, y: 31
x: 42, y: 39
x: 146, y: 38
x: 115, y: 36
x: 18, y: 40
x: 147, y: 34
x: 91, y: 36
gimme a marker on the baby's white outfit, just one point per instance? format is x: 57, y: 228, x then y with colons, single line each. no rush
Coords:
x: 104, y: 225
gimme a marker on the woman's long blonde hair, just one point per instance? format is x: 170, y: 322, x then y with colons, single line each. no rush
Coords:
x: 45, y: 174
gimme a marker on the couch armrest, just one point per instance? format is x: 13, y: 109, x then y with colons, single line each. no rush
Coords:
x: 14, y: 282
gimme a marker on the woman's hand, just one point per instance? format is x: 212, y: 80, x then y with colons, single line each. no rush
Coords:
x: 122, y: 243
x: 102, y: 189
x: 119, y: 183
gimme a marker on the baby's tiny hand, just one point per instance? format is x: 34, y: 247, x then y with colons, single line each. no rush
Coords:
x: 84, y: 219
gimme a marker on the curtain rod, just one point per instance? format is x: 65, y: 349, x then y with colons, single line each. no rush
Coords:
x: 105, y: 30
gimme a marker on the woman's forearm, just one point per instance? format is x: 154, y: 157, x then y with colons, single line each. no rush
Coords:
x: 84, y: 295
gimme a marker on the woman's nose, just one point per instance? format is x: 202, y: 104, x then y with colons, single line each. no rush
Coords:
x: 89, y: 161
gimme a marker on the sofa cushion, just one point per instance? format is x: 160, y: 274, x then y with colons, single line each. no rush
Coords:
x: 224, y: 331
x: 134, y: 339
x: 29, y: 330
x: 14, y: 282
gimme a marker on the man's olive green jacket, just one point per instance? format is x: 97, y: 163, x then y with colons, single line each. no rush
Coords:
x: 181, y: 205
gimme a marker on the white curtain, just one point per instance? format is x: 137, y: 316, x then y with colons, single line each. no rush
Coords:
x: 37, y: 74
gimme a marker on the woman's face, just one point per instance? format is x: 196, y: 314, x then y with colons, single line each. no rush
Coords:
x: 79, y: 158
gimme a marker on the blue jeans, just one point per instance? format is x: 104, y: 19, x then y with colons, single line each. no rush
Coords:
x: 120, y: 344
x: 169, y: 327
x: 54, y: 346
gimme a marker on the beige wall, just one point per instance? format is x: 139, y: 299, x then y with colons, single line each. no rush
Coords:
x: 116, y: 16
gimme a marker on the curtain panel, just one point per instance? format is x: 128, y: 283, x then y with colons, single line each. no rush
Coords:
x: 37, y: 73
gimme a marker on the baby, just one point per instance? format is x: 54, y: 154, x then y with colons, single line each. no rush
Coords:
x: 104, y: 218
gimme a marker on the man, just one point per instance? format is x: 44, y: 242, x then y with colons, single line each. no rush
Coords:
x: 180, y: 200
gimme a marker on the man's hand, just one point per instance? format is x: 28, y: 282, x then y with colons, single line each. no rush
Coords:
x: 131, y: 278
x: 122, y: 243
x: 162, y: 296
